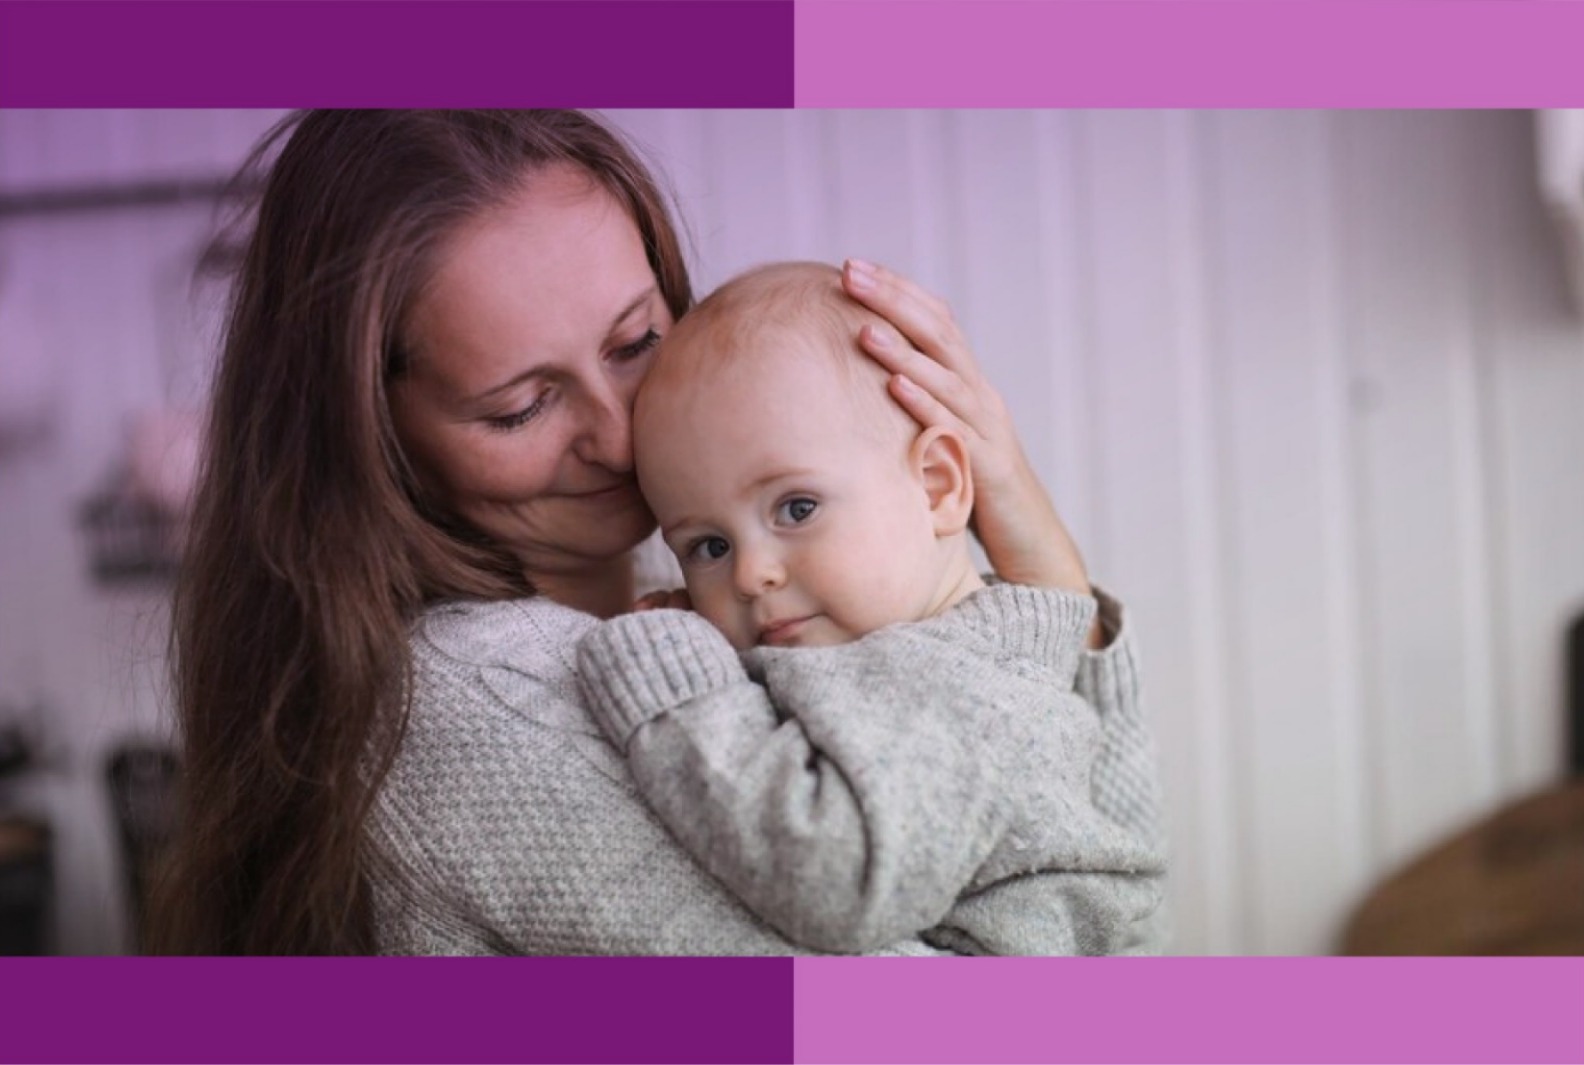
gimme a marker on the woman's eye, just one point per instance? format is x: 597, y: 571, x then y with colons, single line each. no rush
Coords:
x: 638, y: 347
x: 708, y: 549
x: 507, y: 422
x: 796, y: 511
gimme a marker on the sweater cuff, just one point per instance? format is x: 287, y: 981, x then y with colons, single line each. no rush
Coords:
x: 1111, y: 615
x: 635, y: 667
x: 1109, y: 677
x: 1043, y: 624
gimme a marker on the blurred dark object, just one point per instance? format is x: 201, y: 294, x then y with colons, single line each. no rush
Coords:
x: 25, y: 886
x: 1512, y: 884
x: 136, y: 523
x: 26, y: 876
x: 1575, y: 697
x: 143, y: 780
x: 55, y: 200
x: 130, y: 539
x: 14, y: 752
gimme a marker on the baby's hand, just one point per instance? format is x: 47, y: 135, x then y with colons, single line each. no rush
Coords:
x: 675, y: 599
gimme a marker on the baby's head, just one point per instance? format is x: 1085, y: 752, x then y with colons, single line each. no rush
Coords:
x: 805, y: 506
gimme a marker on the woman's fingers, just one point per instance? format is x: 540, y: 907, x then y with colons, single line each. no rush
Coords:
x: 925, y: 320
x: 935, y: 378
x: 923, y: 345
x: 946, y: 385
x: 920, y: 405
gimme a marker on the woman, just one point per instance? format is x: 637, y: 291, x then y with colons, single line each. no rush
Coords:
x: 418, y: 497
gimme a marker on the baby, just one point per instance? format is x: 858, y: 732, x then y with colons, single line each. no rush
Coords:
x: 852, y: 732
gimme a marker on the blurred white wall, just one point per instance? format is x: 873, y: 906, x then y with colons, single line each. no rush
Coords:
x: 100, y: 323
x: 1306, y: 386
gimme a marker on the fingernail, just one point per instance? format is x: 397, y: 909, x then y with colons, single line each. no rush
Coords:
x: 861, y: 274
x: 878, y: 338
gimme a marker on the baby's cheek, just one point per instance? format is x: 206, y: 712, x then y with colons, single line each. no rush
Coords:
x: 708, y: 603
x: 862, y: 607
x: 895, y: 597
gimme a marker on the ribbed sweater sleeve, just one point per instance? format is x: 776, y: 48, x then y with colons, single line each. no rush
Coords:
x: 1127, y: 782
x: 638, y: 666
x: 1127, y: 785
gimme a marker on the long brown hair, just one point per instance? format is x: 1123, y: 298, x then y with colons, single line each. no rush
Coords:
x: 312, y: 546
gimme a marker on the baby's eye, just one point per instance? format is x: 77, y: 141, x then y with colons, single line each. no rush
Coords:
x: 796, y: 511
x: 708, y: 549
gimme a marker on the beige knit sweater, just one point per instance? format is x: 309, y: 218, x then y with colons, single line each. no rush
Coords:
x: 510, y: 824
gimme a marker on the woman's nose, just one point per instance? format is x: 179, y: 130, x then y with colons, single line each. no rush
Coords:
x: 605, y: 437
x: 757, y: 571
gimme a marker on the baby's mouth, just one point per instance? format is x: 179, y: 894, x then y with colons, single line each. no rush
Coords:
x: 784, y: 632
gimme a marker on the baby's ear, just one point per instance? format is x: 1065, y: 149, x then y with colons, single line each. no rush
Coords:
x: 941, y: 459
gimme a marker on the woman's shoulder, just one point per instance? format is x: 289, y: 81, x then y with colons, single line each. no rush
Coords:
x: 516, y: 651
x: 502, y: 633
x: 479, y: 668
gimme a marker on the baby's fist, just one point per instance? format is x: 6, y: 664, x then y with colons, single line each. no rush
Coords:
x: 674, y: 599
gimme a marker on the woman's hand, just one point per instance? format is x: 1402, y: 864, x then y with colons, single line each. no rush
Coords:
x: 665, y: 599
x: 936, y: 379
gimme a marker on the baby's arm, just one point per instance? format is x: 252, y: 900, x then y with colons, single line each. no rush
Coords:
x: 851, y: 797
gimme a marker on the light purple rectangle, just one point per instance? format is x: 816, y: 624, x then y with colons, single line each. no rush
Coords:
x: 1188, y: 53
x: 1450, y: 1010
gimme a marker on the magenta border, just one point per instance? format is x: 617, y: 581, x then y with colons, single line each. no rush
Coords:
x: 1232, y: 1010
x: 1188, y: 53
x: 931, y: 53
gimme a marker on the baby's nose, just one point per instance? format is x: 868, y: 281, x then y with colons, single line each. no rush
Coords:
x: 758, y: 572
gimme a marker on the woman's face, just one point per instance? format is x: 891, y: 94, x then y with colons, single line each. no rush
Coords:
x: 526, y: 349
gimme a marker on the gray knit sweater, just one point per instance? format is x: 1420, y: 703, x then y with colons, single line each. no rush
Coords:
x: 510, y: 824
x: 936, y: 776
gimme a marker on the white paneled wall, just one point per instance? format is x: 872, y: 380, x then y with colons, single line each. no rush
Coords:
x: 1306, y: 386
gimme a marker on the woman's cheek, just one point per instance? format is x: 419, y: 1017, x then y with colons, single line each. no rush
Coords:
x: 516, y: 470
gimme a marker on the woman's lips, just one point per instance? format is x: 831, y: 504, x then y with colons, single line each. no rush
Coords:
x: 782, y: 633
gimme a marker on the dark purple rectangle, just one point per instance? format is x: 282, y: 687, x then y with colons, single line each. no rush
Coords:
x: 395, y: 53
x: 396, y: 1010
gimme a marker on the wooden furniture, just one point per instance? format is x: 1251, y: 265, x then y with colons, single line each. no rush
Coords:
x: 1512, y: 884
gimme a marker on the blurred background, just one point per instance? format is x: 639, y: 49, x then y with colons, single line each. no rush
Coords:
x: 1308, y: 387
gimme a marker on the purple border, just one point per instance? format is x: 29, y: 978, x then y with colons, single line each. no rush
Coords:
x: 396, y: 1010
x: 1232, y: 1010
x: 366, y: 53
x: 1189, y: 53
